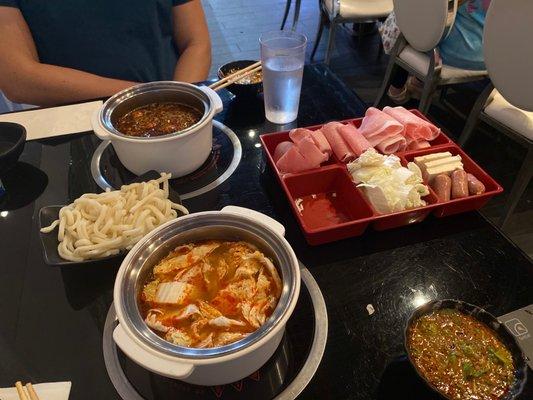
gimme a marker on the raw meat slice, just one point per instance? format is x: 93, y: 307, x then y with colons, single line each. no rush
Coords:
x: 377, y: 126
x: 299, y: 133
x: 416, y: 128
x: 340, y: 148
x: 310, y: 151
x: 418, y: 144
x: 293, y: 161
x: 281, y: 149
x: 392, y: 144
x: 321, y: 142
x: 353, y: 138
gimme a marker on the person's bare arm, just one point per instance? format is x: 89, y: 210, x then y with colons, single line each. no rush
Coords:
x: 24, y: 79
x: 192, y: 39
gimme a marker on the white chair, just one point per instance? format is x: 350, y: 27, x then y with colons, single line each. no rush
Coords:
x: 507, y: 102
x: 334, y: 12
x: 423, y: 24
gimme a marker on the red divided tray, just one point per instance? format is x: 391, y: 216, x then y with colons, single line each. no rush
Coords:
x: 353, y: 212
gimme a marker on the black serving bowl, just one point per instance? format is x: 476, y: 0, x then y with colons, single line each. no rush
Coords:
x: 12, y: 140
x: 238, y: 89
x: 486, y: 318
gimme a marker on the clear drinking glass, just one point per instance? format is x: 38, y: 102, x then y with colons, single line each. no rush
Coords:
x: 283, y: 58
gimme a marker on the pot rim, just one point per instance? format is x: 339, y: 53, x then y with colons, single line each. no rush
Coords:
x: 104, y: 115
x: 217, y: 354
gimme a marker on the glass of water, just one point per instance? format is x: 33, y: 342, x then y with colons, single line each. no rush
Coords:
x: 283, y: 58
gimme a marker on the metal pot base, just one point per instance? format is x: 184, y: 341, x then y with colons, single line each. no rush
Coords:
x: 109, y: 173
x: 283, y: 377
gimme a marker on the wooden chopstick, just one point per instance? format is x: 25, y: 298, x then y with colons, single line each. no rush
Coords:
x: 20, y: 391
x: 32, y: 392
x: 236, y: 73
x: 237, y: 78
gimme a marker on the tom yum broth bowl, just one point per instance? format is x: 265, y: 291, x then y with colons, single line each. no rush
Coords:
x: 463, y: 352
x: 180, y: 152
x: 213, y: 365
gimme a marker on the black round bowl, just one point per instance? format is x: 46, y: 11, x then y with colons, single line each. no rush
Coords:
x: 488, y: 319
x: 12, y: 141
x: 240, y: 90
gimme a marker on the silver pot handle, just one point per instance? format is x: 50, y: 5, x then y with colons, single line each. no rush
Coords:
x: 265, y: 219
x: 218, y: 106
x: 97, y: 127
x: 159, y: 365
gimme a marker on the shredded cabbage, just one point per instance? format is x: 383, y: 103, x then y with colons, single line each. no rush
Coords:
x: 387, y: 185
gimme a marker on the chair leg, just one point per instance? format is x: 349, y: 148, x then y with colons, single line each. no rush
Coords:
x: 474, y: 114
x: 427, y: 93
x: 321, y: 23
x: 520, y: 184
x: 297, y: 6
x: 287, y: 9
x: 331, y: 41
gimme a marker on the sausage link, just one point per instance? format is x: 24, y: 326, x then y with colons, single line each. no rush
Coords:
x: 459, y: 184
x: 475, y: 186
x: 442, y: 185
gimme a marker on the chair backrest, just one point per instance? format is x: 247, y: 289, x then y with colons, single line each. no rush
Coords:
x: 424, y: 23
x: 507, y: 48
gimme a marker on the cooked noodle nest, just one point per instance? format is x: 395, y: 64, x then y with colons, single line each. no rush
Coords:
x: 101, y: 225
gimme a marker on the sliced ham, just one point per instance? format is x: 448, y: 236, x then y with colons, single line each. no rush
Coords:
x: 392, y: 144
x: 353, y: 138
x: 378, y: 126
x: 337, y: 143
x: 311, y: 152
x: 299, y: 133
x: 418, y: 144
x: 281, y: 149
x: 321, y: 142
x: 293, y: 161
x: 416, y: 128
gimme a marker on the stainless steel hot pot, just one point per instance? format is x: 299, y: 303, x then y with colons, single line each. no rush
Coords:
x: 211, y: 366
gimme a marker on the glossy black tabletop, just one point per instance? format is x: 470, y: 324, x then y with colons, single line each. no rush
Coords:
x: 51, y: 318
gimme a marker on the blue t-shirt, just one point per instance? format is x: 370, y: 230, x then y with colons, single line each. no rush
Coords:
x: 122, y: 39
x: 463, y: 48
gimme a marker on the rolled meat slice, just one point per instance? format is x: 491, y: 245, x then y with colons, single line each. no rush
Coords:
x: 392, y: 144
x: 418, y: 144
x: 293, y: 161
x: 459, y: 184
x: 378, y: 126
x: 309, y: 150
x: 416, y: 128
x: 299, y: 133
x: 281, y: 149
x: 321, y: 142
x: 337, y: 143
x: 475, y: 186
x: 353, y: 138
x: 442, y: 185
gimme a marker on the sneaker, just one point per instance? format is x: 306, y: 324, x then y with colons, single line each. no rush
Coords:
x: 399, y: 96
x: 415, y: 87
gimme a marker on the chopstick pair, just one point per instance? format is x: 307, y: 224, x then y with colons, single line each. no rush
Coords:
x: 237, y: 75
x: 22, y: 394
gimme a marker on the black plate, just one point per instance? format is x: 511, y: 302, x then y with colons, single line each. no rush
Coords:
x: 488, y: 319
x: 49, y: 214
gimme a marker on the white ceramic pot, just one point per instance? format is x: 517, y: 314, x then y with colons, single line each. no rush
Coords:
x: 179, y: 153
x: 212, y: 366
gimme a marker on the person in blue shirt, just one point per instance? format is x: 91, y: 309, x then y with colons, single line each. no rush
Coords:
x: 61, y: 51
x: 462, y: 48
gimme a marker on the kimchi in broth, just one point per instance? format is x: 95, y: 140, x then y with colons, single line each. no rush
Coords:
x: 210, y: 293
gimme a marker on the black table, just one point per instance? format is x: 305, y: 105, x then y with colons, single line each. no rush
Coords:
x: 52, y: 318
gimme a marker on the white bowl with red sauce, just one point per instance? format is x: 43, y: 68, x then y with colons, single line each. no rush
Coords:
x: 180, y: 152
x: 213, y: 365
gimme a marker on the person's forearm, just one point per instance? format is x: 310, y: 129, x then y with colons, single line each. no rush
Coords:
x: 48, y: 85
x: 193, y: 64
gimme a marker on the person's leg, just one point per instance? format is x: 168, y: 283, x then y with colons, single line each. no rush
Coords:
x: 398, y: 92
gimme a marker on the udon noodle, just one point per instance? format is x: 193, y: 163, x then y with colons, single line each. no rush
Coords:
x: 102, y: 225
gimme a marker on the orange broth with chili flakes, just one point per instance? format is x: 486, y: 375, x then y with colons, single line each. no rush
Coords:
x: 460, y: 356
x: 157, y: 119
